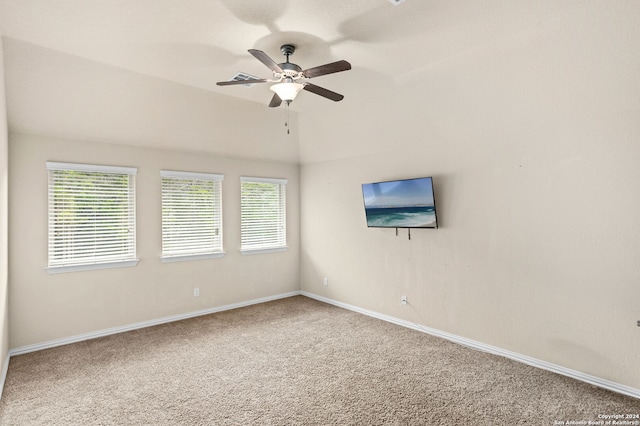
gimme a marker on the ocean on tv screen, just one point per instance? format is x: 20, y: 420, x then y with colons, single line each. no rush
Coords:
x: 402, y: 217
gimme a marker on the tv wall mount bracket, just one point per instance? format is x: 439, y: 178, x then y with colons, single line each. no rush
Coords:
x: 408, y: 230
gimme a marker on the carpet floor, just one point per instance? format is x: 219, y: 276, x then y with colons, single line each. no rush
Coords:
x: 294, y: 361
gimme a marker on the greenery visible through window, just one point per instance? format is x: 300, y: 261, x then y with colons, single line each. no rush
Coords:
x: 263, y: 214
x: 191, y: 215
x: 91, y: 215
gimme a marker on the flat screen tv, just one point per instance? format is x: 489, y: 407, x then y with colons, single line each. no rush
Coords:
x: 407, y: 203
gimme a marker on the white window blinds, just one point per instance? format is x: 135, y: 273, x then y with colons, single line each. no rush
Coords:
x: 91, y: 216
x: 263, y: 214
x: 191, y: 215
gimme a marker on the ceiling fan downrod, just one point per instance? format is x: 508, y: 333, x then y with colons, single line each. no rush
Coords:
x: 287, y: 49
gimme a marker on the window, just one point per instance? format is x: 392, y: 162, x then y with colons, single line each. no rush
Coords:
x: 191, y: 215
x: 263, y: 215
x: 91, y: 217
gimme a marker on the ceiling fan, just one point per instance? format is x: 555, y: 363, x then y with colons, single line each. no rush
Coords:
x: 290, y: 78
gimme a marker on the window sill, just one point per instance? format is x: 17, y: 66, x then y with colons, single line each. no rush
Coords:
x: 246, y: 252
x: 91, y: 266
x: 181, y: 258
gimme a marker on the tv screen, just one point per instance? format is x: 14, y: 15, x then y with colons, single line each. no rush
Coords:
x: 407, y: 203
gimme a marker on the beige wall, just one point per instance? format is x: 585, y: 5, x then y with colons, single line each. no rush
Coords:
x: 46, y: 307
x: 4, y: 290
x: 533, y: 146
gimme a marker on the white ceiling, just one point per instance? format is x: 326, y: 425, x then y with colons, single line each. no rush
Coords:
x: 199, y: 42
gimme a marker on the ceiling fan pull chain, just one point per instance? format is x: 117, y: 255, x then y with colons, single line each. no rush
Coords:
x: 286, y: 121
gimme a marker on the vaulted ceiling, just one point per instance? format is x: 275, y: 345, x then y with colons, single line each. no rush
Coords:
x: 97, y: 51
x: 199, y: 42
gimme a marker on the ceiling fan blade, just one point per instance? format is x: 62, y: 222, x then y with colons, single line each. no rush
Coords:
x: 248, y: 81
x: 265, y: 59
x: 327, y: 69
x: 275, y: 101
x: 323, y: 92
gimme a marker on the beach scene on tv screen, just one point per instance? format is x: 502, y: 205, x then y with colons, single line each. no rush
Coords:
x: 400, y: 204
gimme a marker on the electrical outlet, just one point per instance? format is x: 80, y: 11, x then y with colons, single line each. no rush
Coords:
x: 403, y: 300
x: 325, y: 281
x: 196, y: 292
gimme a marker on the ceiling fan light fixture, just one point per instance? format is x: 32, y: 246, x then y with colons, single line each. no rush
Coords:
x: 287, y: 74
x: 288, y: 90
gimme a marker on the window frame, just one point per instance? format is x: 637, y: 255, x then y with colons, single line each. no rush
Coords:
x: 282, y: 219
x: 79, y: 264
x: 194, y: 176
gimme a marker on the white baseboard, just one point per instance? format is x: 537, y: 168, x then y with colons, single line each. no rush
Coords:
x: 583, y: 377
x: 115, y: 330
x: 587, y: 378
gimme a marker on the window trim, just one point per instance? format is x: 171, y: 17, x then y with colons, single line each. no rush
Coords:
x: 75, y: 267
x: 191, y: 175
x: 213, y: 177
x: 186, y: 257
x: 91, y: 266
x: 248, y: 252
x: 264, y: 250
x: 52, y: 165
x: 264, y: 180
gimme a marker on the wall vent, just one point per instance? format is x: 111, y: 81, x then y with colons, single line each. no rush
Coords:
x: 243, y: 76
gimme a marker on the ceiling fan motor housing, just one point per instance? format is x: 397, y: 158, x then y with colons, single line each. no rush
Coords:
x: 290, y: 69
